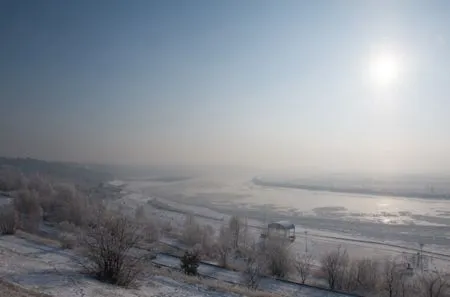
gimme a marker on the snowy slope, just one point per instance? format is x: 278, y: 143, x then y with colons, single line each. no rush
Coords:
x: 54, y: 271
x: 266, y: 284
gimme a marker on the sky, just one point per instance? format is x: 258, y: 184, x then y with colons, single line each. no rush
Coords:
x: 339, y: 85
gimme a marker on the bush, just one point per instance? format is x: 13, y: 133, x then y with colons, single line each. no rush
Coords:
x: 392, y: 279
x: 68, y: 227
x: 206, y: 243
x: 223, y: 247
x: 67, y: 204
x: 190, y: 262
x: 166, y: 228
x: 42, y: 186
x: 29, y: 210
x: 434, y: 284
x: 151, y: 231
x: 362, y: 276
x: 8, y: 220
x: 67, y: 241
x: 235, y: 227
x: 108, y: 249
x: 139, y: 214
x: 192, y: 233
x: 11, y: 179
x: 278, y: 257
x: 239, y: 231
x: 334, y: 265
x: 303, y: 265
x: 255, y: 263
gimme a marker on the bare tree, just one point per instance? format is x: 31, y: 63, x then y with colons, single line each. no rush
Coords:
x: 68, y: 204
x: 192, y: 233
x: 109, y: 250
x: 349, y: 281
x: 28, y: 209
x: 334, y: 265
x: 42, y: 186
x: 367, y: 274
x: 8, y: 220
x: 207, y: 241
x: 223, y: 247
x: 434, y: 284
x: 392, y: 279
x: 278, y: 257
x: 361, y: 276
x: 245, y: 233
x: 67, y: 240
x: 235, y: 225
x: 11, y: 179
x: 139, y: 213
x: 254, y: 268
x: 303, y: 265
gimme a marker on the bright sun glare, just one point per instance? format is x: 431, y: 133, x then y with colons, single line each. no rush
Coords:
x: 384, y: 68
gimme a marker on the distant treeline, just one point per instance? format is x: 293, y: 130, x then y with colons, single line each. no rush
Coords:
x: 335, y: 189
x: 72, y: 172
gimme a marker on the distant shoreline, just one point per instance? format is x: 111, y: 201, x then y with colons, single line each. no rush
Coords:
x: 343, y: 190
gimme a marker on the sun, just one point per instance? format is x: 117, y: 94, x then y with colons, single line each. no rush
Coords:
x: 384, y: 68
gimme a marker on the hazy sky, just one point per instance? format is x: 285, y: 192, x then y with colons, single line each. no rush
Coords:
x: 272, y: 84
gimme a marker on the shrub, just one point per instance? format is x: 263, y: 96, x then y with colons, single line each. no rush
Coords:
x: 334, y: 265
x: 190, y: 262
x: 68, y: 227
x: 166, y: 228
x: 139, y: 214
x: 151, y: 231
x: 362, y: 275
x: 11, y: 179
x: 278, y: 257
x: 206, y: 243
x: 235, y: 227
x: 108, y: 249
x: 303, y: 265
x: 42, y: 186
x: 192, y: 233
x: 434, y: 284
x: 255, y: 263
x: 29, y: 210
x: 68, y: 204
x: 8, y: 220
x: 67, y: 241
x: 252, y: 274
x: 223, y: 247
x: 392, y: 279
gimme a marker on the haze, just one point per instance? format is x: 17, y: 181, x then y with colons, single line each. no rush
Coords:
x: 341, y: 85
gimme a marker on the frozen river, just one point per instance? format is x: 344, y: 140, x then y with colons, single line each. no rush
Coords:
x: 397, y: 220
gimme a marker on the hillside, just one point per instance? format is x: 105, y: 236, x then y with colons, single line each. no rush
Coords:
x: 61, y: 171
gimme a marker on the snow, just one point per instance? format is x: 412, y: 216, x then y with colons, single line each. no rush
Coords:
x: 116, y: 183
x: 4, y: 200
x: 331, y: 220
x: 54, y: 271
x: 368, y: 226
x: 266, y: 284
